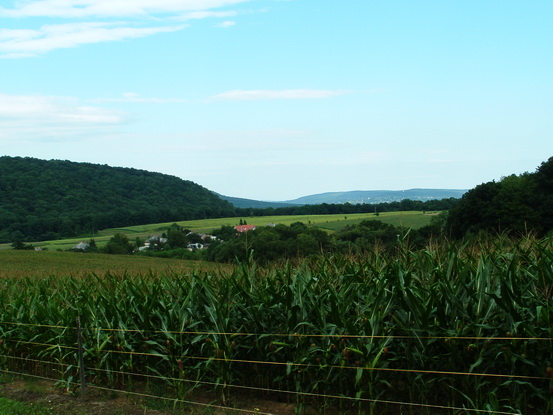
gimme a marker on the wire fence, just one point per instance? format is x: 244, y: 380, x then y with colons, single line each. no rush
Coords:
x: 346, y: 382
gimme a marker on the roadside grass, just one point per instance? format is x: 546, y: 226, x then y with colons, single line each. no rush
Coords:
x: 336, y: 222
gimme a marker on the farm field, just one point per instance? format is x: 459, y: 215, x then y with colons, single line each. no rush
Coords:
x: 413, y: 219
x: 408, y: 219
x: 451, y: 329
x: 52, y: 263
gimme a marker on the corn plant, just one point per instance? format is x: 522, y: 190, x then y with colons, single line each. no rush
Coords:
x: 466, y: 324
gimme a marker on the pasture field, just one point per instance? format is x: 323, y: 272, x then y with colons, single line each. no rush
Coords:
x: 53, y: 263
x: 450, y: 329
x: 414, y: 219
x: 331, y: 223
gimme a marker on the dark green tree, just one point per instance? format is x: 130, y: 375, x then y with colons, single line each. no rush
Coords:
x: 516, y: 205
x: 92, y: 247
x: 20, y: 246
x: 119, y: 244
x: 176, y: 238
x: 543, y: 200
x: 477, y: 210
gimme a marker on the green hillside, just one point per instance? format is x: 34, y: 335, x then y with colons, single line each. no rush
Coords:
x: 330, y: 223
x: 42, y: 199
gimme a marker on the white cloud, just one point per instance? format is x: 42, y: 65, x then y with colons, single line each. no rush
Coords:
x: 31, y: 120
x: 25, y: 42
x: 264, y: 94
x: 44, y: 117
x: 227, y: 23
x: 92, y: 21
x: 109, y: 8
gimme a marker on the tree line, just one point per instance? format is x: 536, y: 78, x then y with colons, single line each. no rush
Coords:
x: 348, y: 208
x: 275, y: 242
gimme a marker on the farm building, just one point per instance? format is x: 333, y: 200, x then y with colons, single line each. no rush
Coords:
x: 244, y: 228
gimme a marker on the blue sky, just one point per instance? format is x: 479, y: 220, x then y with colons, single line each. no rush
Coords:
x: 277, y: 99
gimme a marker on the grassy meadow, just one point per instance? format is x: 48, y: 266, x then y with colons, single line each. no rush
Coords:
x: 330, y: 223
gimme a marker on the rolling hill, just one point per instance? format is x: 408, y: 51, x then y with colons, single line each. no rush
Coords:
x: 353, y: 197
x: 42, y: 199
x: 256, y: 204
x: 377, y: 196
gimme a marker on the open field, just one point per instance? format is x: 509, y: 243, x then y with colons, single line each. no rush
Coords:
x: 49, y: 263
x: 335, y: 222
x: 451, y: 329
x: 411, y: 219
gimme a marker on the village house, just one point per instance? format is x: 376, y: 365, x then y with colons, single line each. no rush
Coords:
x: 244, y: 228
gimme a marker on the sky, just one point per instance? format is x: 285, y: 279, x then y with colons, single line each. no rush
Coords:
x: 278, y: 99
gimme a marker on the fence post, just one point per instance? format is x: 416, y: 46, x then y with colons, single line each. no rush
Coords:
x: 81, y: 357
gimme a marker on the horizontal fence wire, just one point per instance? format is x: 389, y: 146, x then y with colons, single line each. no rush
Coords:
x: 305, y: 394
x: 49, y: 345
x: 91, y: 351
x: 27, y: 359
x: 167, y: 378
x: 256, y: 411
x: 206, y: 405
x: 29, y: 375
x: 306, y: 365
x: 291, y: 335
x: 292, y: 364
x: 13, y: 323
x: 336, y: 336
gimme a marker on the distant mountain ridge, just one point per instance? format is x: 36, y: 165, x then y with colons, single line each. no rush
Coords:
x: 353, y: 197
x: 377, y: 196
x: 251, y: 203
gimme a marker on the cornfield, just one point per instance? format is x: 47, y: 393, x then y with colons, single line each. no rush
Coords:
x: 464, y: 329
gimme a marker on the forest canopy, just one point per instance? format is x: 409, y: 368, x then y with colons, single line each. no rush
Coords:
x: 517, y: 204
x: 42, y: 199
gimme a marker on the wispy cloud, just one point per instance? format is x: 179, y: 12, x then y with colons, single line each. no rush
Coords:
x: 46, y: 117
x: 264, y: 94
x: 109, y: 8
x: 94, y: 21
x: 25, y: 42
x: 55, y: 109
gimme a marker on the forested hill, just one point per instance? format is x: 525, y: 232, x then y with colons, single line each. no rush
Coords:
x: 42, y: 199
x: 518, y: 204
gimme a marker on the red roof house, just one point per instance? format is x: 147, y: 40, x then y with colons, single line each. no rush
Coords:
x: 244, y: 228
